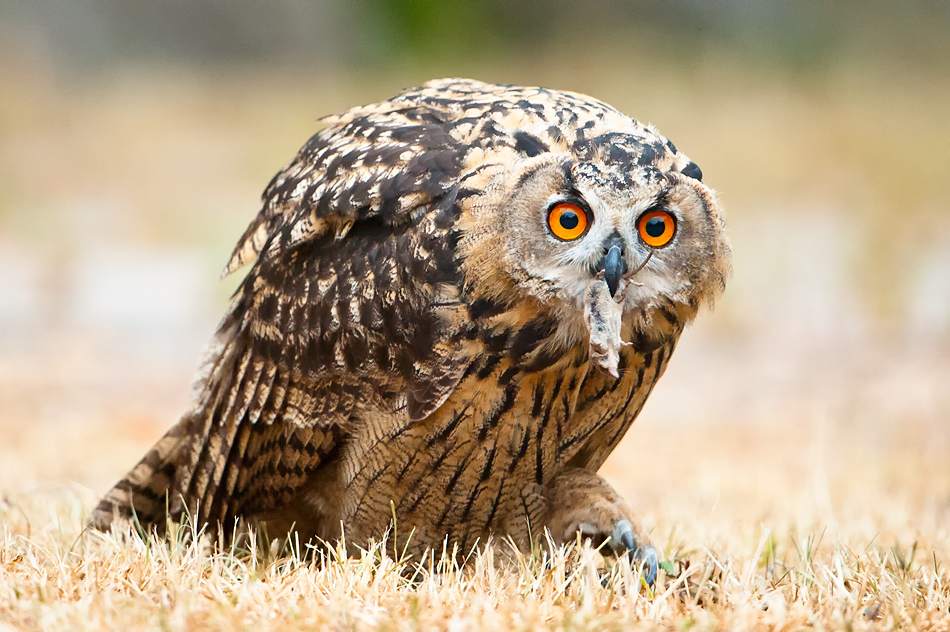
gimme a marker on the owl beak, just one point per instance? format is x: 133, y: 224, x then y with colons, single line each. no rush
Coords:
x: 614, y: 267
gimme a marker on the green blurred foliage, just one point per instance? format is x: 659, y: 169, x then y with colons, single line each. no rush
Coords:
x: 795, y: 35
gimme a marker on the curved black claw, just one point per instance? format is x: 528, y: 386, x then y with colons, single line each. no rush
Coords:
x: 643, y: 557
x: 649, y: 562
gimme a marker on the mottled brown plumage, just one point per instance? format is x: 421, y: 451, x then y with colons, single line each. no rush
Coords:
x: 412, y: 332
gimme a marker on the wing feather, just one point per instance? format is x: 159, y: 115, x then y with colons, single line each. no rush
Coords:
x: 344, y: 309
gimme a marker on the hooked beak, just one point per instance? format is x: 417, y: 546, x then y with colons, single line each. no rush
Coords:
x: 614, y: 266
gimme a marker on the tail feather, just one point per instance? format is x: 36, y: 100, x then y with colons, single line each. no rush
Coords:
x: 183, y: 472
x: 258, y: 430
x: 143, y: 493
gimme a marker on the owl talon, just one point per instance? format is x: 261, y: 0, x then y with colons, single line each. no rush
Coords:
x: 645, y: 558
x: 648, y: 562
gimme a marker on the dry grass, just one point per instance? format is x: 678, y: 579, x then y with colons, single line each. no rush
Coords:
x: 52, y: 578
x: 738, y: 522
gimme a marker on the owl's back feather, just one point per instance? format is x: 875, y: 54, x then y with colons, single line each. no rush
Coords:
x: 332, y: 317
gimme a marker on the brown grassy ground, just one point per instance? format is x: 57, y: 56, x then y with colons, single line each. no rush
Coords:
x: 812, y: 519
x: 883, y: 566
x: 791, y: 466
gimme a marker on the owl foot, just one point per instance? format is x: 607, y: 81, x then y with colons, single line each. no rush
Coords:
x: 622, y: 542
x: 579, y: 501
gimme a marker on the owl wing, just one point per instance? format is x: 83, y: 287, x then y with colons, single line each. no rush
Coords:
x: 352, y: 303
x: 379, y: 162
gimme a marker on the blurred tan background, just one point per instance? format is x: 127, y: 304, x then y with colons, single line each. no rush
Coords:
x: 136, y: 138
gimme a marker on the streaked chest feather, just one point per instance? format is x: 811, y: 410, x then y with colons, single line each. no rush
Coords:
x: 503, y: 428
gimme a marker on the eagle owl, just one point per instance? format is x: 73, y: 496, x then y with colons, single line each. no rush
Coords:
x: 460, y: 300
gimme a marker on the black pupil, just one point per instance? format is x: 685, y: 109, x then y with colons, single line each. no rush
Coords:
x: 656, y: 226
x: 569, y: 220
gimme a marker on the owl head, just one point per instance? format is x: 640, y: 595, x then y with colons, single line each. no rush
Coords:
x: 558, y: 207
x: 541, y: 193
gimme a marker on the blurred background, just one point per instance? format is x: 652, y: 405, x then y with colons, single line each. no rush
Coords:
x: 136, y: 138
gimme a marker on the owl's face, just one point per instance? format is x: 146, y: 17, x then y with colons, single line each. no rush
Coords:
x: 558, y: 221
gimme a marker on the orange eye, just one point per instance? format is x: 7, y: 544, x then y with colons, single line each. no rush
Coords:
x: 567, y: 221
x: 656, y: 229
